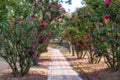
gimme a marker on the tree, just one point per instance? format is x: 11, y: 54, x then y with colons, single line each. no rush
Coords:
x: 97, y: 24
x: 25, y: 31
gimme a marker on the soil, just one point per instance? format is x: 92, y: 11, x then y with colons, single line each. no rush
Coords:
x: 90, y: 71
x: 40, y: 72
x: 86, y: 70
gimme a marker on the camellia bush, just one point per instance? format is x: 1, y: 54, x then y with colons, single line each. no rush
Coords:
x: 98, y: 24
x: 25, y: 30
x: 78, y: 32
x: 106, y: 35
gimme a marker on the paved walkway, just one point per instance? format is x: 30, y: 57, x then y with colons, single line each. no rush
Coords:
x: 60, y: 68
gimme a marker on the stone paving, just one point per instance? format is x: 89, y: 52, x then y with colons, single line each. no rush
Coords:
x: 60, y: 68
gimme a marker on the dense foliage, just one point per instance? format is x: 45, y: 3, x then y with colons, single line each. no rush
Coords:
x: 26, y: 27
x: 95, y: 28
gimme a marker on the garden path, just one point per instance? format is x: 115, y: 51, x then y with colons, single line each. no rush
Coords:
x: 60, y: 68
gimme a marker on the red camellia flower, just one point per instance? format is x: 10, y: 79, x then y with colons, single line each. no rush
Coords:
x: 44, y: 38
x: 10, y: 22
x: 47, y: 10
x: 106, y: 18
x: 33, y: 46
x: 88, y: 36
x: 41, y: 22
x: 32, y: 17
x: 107, y: 2
x: 38, y: 37
x: 19, y: 20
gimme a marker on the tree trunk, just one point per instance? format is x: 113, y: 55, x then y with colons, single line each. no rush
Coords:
x: 73, y: 49
x: 35, y: 61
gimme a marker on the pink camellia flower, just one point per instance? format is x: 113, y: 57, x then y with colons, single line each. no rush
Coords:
x: 10, y: 22
x: 38, y: 37
x: 59, y: 6
x: 33, y: 46
x: 106, y: 18
x: 49, y: 33
x: 88, y: 36
x: 80, y: 15
x: 89, y: 12
x: 35, y: 54
x: 44, y: 38
x: 107, y: 2
x: 41, y: 22
x: 45, y: 23
x: 19, y: 20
